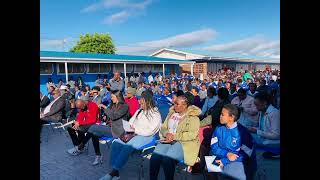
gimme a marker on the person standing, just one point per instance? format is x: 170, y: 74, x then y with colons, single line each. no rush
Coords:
x: 116, y: 83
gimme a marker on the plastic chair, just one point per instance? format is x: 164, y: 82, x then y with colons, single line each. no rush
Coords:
x: 53, y: 126
x: 106, y: 140
x: 144, y: 152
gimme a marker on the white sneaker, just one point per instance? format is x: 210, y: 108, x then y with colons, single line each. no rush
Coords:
x: 74, y: 151
x: 97, y: 160
x: 106, y: 177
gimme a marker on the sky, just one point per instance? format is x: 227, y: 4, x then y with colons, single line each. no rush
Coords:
x: 228, y: 28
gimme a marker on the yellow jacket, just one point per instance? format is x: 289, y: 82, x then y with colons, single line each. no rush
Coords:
x: 186, y: 134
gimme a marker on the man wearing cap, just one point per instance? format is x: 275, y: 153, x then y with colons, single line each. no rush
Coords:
x: 65, y: 92
x: 96, y: 98
x: 71, y: 82
x: 132, y: 100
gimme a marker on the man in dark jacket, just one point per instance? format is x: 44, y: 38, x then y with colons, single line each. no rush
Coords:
x: 44, y: 101
x: 54, y: 111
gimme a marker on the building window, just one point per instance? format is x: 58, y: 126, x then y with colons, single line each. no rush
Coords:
x: 157, y: 68
x: 46, y: 68
x: 130, y: 67
x: 143, y: 68
x: 104, y: 68
x: 118, y: 68
x: 98, y: 68
x: 72, y: 68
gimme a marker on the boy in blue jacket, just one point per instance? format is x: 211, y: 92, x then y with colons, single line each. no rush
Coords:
x: 233, y: 146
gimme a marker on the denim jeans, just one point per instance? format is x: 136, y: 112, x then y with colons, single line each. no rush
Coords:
x: 235, y: 170
x: 121, y: 151
x: 265, y: 142
x: 100, y: 130
x: 94, y: 132
x: 166, y: 155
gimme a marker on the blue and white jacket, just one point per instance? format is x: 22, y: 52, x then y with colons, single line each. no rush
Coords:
x: 236, y: 140
x: 245, y: 86
x: 165, y: 99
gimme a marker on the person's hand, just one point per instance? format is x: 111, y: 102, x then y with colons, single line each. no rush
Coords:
x: 103, y: 106
x: 220, y: 163
x: 169, y: 137
x: 41, y: 115
x: 76, y: 125
x: 232, y: 157
x: 252, y: 129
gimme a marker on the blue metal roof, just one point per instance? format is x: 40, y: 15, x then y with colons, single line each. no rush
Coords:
x: 113, y: 57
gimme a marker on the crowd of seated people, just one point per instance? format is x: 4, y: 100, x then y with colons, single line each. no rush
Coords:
x: 227, y: 115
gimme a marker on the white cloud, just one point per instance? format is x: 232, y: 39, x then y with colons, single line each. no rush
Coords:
x: 256, y: 46
x: 117, y: 17
x: 127, y: 9
x: 178, y: 41
x: 54, y: 43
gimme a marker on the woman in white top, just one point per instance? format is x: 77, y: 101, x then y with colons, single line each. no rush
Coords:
x: 145, y: 124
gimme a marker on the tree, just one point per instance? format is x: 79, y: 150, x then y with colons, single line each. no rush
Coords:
x: 95, y: 43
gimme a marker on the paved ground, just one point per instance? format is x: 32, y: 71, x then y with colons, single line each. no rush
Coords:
x: 56, y: 164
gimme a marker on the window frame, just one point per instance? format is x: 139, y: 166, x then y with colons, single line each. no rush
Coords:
x: 60, y: 73
x: 52, y: 69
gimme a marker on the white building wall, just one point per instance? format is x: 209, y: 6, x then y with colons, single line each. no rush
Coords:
x: 166, y: 54
x: 189, y: 56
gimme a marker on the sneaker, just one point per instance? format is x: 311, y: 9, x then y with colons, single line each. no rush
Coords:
x: 116, y: 178
x: 97, y: 160
x: 270, y: 155
x: 106, y: 177
x: 74, y: 151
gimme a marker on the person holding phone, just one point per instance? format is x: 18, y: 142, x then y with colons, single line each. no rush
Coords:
x: 179, y: 139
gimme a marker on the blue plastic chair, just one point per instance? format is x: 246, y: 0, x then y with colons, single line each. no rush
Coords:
x: 53, y: 126
x: 108, y: 139
x: 144, y: 152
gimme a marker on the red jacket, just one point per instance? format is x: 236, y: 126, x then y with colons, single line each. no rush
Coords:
x: 133, y: 105
x: 89, y: 116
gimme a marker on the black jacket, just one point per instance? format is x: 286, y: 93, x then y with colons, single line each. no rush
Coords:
x: 215, y: 112
x: 116, y: 114
x: 56, y: 111
x: 44, y: 102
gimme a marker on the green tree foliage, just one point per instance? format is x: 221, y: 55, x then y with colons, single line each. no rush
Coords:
x: 95, y: 43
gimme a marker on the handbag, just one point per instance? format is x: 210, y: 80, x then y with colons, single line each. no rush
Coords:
x: 126, y: 136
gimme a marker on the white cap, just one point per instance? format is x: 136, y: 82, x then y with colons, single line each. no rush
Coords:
x: 63, y: 87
